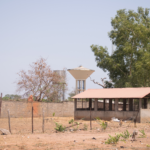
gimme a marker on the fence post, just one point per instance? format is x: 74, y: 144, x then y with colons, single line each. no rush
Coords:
x: 43, y: 122
x: 0, y: 104
x: 32, y: 119
x: 9, y: 121
x: 90, y: 120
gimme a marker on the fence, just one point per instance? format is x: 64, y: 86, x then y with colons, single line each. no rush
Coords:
x: 37, y: 117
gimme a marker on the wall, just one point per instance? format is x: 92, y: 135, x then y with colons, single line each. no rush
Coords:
x: 106, y: 115
x: 145, y: 115
x: 23, y: 109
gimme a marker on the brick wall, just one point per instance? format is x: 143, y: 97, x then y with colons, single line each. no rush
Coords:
x: 23, y: 109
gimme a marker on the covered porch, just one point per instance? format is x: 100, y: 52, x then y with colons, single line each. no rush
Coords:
x: 122, y: 103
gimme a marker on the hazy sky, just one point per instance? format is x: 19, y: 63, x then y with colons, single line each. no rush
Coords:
x: 61, y: 31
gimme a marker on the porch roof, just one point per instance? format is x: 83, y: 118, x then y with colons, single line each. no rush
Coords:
x: 140, y: 92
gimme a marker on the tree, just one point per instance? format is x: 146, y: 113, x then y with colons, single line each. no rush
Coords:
x: 129, y: 65
x: 71, y: 94
x: 11, y: 96
x: 40, y: 81
x: 104, y: 84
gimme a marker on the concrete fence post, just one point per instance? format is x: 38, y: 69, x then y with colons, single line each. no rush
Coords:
x: 116, y: 104
x: 95, y: 104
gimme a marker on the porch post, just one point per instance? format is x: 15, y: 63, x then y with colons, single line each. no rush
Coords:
x: 116, y: 104
x: 95, y: 104
x: 130, y: 104
x: 124, y: 104
x: 110, y: 104
x: 90, y: 103
x: 145, y: 103
x: 140, y: 106
x: 104, y: 104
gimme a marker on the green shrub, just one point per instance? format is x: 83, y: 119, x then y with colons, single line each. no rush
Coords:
x: 53, y: 114
x: 59, y: 127
x: 71, y: 122
x: 97, y: 118
x: 125, y: 135
x: 113, y: 139
x: 103, y: 125
x: 77, y: 123
x: 85, y: 127
x: 142, y: 135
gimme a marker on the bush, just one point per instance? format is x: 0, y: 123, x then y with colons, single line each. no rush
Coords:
x: 85, y: 127
x: 142, y: 135
x: 59, y: 127
x: 125, y: 135
x: 71, y: 121
x: 102, y: 123
x: 113, y: 139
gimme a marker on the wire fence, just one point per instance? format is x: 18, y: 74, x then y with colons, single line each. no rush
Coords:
x: 44, y: 124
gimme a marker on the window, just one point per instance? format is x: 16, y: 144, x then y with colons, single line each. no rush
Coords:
x: 85, y: 104
x: 144, y: 103
x: 136, y: 104
x: 111, y: 105
x: 100, y: 104
x: 121, y: 105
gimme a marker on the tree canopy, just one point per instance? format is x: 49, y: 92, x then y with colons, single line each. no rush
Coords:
x: 41, y: 82
x: 11, y: 96
x: 129, y: 65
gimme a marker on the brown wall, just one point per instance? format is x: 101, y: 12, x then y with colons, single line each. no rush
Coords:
x: 106, y: 115
x: 23, y: 109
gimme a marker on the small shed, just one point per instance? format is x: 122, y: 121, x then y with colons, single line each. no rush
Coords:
x: 122, y: 103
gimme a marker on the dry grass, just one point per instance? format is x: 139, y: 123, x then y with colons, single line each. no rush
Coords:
x: 22, y: 138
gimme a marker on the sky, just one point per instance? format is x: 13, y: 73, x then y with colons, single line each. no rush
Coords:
x: 60, y: 31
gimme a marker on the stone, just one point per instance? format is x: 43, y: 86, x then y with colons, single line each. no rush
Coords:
x: 4, y: 132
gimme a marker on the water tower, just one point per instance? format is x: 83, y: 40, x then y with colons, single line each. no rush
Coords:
x: 80, y: 74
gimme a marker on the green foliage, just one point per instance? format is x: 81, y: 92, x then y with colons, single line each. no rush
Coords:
x: 11, y: 97
x: 129, y: 65
x: 53, y: 114
x: 125, y: 135
x: 77, y: 123
x: 71, y: 121
x: 102, y: 123
x: 97, y: 118
x: 142, y: 135
x: 59, y: 127
x: 113, y: 139
x: 75, y: 129
x: 148, y: 145
x: 71, y: 94
x: 85, y: 127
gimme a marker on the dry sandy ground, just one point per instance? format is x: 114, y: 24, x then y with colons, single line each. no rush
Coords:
x: 22, y: 138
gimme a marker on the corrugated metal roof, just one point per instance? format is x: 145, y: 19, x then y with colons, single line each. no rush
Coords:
x: 114, y: 93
